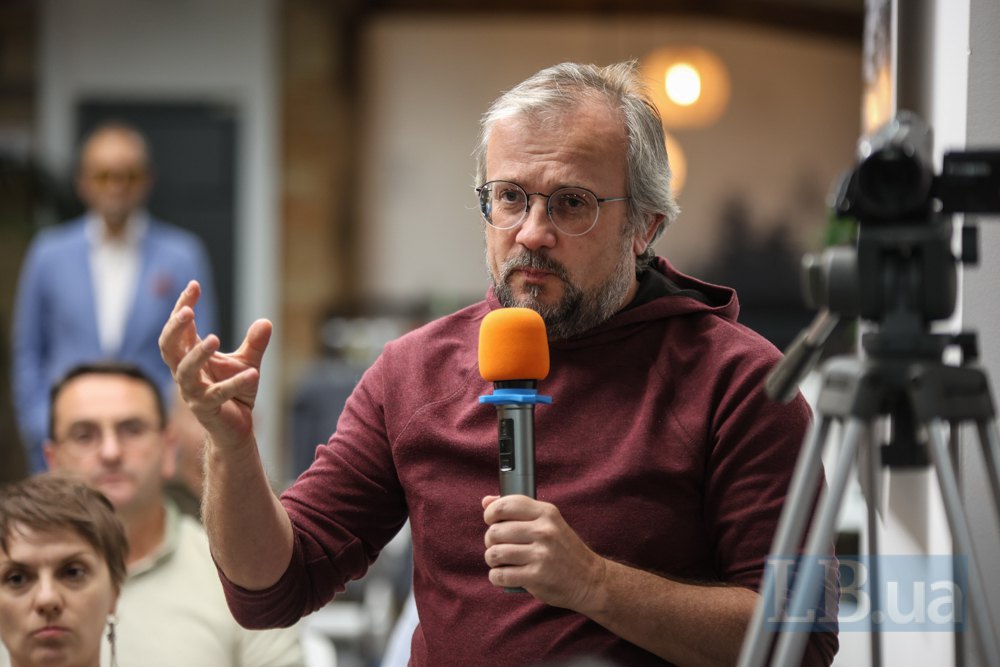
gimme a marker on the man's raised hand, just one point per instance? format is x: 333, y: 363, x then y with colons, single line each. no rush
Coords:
x: 220, y: 388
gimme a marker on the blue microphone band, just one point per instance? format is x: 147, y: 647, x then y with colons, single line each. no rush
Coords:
x: 515, y: 396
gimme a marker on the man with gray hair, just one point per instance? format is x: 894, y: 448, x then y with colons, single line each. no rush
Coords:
x: 662, y: 465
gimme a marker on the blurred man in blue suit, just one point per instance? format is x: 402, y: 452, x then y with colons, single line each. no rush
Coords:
x: 100, y: 287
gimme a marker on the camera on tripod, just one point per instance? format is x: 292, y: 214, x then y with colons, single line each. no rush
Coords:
x: 902, y: 273
x: 900, y: 405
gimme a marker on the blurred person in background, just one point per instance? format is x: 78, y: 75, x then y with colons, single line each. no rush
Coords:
x: 100, y: 286
x: 187, y: 436
x: 62, y: 566
x: 108, y: 428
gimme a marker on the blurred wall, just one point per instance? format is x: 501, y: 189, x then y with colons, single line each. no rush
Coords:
x: 22, y: 192
x: 931, y: 79
x: 979, y: 297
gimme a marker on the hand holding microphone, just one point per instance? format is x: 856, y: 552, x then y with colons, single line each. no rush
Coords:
x: 514, y: 356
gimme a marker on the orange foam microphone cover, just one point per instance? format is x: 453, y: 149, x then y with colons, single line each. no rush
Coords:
x: 513, y: 345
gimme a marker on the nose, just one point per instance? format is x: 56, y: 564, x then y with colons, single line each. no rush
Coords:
x: 48, y: 599
x: 111, y: 446
x: 537, y: 230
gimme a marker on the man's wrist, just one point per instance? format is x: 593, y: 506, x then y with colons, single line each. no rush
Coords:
x: 597, y: 594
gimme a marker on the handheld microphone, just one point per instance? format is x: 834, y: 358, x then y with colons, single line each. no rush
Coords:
x: 514, y: 356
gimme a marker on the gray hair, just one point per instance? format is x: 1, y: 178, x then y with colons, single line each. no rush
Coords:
x: 558, y: 89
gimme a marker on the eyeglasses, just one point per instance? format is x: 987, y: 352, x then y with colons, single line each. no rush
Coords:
x: 128, y: 177
x: 88, y: 435
x: 573, y: 211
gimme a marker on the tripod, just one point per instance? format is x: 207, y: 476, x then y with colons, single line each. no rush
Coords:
x: 906, y: 379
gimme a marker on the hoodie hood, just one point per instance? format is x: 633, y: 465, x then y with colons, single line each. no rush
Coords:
x: 717, y: 300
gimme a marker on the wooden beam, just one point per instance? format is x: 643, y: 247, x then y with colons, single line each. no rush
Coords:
x: 843, y: 20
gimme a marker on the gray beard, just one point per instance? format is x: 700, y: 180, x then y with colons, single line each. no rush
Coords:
x: 577, y: 311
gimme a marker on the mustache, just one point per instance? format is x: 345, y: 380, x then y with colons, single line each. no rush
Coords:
x: 537, y: 261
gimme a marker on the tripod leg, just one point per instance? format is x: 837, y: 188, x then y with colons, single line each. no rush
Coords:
x: 872, y: 471
x: 962, y: 538
x: 787, y: 538
x: 991, y: 451
x: 807, y: 587
x: 954, y: 447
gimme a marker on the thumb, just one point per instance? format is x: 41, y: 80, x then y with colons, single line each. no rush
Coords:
x: 255, y: 344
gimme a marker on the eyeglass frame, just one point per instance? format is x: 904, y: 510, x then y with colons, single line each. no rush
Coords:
x: 90, y: 436
x: 130, y: 177
x: 548, y: 209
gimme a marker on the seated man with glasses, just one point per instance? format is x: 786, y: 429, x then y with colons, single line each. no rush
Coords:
x: 661, y: 467
x: 109, y: 428
x: 100, y: 286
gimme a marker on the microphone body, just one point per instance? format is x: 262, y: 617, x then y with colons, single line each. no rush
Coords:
x: 516, y: 435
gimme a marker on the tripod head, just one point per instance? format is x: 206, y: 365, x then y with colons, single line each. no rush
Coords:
x: 902, y: 274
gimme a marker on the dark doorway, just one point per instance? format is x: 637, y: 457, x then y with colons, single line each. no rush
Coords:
x: 194, y: 155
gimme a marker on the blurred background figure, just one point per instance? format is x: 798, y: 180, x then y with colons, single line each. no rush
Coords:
x: 187, y: 436
x: 397, y: 649
x: 359, y: 624
x: 101, y: 285
x: 62, y: 566
x: 108, y: 426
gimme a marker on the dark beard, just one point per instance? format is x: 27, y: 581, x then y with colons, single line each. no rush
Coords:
x: 577, y: 311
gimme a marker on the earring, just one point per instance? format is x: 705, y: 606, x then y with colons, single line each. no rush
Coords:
x: 112, y: 619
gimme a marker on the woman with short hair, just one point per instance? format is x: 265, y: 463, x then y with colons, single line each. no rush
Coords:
x: 62, y: 566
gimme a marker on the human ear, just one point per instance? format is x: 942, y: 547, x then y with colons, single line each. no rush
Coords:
x: 643, y: 238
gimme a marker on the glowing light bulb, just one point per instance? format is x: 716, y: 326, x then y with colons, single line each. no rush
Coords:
x: 683, y: 84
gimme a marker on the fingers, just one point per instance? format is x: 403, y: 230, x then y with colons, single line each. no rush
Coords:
x: 187, y: 373
x: 204, y: 395
x: 178, y: 336
x: 511, y: 508
x: 254, y: 345
x: 188, y: 296
x: 507, y: 555
x: 179, y: 333
x: 509, y: 577
x: 530, y: 545
x: 512, y: 564
x: 517, y: 520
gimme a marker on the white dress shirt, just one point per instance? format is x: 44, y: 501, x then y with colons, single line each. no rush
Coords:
x: 115, y: 264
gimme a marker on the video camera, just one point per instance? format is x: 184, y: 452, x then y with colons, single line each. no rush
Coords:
x: 902, y: 273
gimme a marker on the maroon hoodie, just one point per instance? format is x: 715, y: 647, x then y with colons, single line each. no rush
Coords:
x: 660, y: 449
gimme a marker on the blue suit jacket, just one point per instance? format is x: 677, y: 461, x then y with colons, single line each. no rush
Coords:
x: 55, y: 321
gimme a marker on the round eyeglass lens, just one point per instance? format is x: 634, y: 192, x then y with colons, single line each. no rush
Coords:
x: 573, y: 210
x: 503, y: 204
